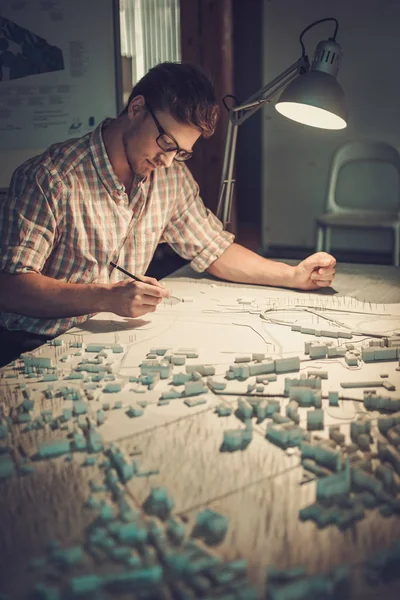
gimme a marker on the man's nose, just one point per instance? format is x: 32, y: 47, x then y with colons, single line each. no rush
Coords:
x: 166, y: 158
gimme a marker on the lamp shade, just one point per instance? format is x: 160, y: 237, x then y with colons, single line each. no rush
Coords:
x: 316, y: 99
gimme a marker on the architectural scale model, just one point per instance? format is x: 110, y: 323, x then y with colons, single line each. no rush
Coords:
x: 213, y: 443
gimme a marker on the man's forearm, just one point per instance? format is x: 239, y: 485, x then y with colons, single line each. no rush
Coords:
x: 244, y: 266
x: 35, y: 295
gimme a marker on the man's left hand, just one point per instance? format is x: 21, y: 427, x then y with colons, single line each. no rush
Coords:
x: 316, y: 271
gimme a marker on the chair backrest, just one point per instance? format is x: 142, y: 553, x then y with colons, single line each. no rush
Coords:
x: 375, y: 182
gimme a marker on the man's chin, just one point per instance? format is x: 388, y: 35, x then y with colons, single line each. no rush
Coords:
x: 142, y: 172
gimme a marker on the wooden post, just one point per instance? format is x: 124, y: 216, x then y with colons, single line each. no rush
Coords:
x: 206, y: 40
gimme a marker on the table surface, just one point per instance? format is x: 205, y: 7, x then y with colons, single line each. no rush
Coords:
x: 369, y: 283
x: 259, y: 489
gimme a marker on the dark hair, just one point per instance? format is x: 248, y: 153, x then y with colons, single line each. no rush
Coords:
x: 184, y: 90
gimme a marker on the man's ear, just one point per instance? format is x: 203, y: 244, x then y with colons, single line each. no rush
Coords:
x: 136, y: 106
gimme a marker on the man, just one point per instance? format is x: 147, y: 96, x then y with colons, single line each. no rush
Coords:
x: 112, y: 195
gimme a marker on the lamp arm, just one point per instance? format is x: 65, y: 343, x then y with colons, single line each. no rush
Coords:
x: 236, y: 116
x: 266, y: 93
x: 224, y: 208
x: 247, y: 109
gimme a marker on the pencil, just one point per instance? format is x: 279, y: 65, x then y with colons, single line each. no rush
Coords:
x: 132, y: 276
x: 127, y: 273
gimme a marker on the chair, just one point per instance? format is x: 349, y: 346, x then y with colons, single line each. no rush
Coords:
x: 370, y: 202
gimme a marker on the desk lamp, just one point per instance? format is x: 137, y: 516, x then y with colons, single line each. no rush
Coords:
x: 311, y: 95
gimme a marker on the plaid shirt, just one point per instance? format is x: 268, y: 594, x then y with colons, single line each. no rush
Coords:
x: 67, y: 215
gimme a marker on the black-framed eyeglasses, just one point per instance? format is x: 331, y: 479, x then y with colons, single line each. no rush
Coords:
x: 167, y: 143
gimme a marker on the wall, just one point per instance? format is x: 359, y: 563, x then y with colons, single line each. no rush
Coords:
x: 45, y: 107
x: 247, y: 60
x: 206, y: 40
x: 296, y: 158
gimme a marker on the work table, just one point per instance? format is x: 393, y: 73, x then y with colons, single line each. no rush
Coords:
x: 168, y: 485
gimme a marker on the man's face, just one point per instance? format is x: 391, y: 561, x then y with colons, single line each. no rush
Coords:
x: 141, y: 149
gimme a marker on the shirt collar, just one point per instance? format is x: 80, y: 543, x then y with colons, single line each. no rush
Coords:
x: 101, y: 161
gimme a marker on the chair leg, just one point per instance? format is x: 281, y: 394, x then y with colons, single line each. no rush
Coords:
x: 327, y: 239
x: 320, y: 239
x: 396, y: 249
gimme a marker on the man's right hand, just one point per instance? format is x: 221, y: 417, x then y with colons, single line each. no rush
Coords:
x: 134, y: 298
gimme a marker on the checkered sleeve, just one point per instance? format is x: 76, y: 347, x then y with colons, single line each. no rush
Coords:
x: 193, y: 231
x: 27, y: 220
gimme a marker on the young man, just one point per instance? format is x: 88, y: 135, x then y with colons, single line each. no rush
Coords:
x: 113, y: 195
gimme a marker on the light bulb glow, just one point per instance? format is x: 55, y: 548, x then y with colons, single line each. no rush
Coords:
x: 310, y: 115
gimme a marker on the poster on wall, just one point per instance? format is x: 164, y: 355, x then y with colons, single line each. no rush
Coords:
x: 58, y: 75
